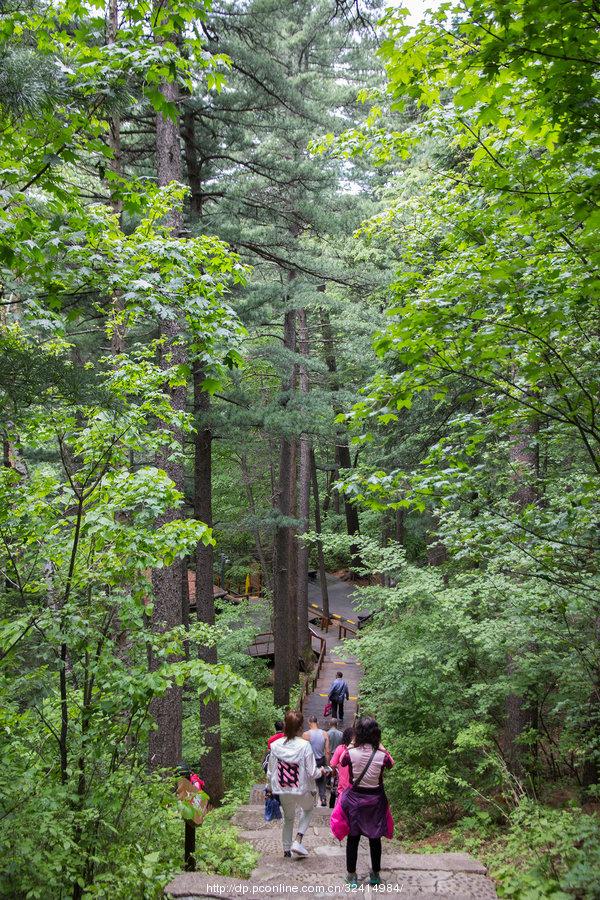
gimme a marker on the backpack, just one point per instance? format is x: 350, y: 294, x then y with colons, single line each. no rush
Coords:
x: 338, y: 693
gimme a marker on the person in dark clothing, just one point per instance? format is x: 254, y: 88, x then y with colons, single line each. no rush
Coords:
x: 335, y: 739
x: 338, y: 692
x: 278, y: 733
x: 335, y: 736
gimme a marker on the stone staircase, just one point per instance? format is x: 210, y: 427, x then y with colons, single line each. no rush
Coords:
x: 455, y: 876
x: 322, y: 873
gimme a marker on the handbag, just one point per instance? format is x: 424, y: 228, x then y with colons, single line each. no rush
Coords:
x: 272, y: 808
x: 327, y: 709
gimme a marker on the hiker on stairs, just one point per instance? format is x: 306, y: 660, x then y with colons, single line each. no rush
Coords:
x: 319, y: 741
x: 363, y: 808
x: 338, y: 692
x: 278, y: 733
x: 335, y: 736
x: 292, y: 772
x: 335, y: 739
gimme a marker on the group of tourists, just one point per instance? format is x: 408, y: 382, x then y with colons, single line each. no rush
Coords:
x: 302, y: 763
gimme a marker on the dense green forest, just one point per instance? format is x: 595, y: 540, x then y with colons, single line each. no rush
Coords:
x: 296, y: 285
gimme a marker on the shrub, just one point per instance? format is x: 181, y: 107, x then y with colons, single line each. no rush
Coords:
x: 548, y: 853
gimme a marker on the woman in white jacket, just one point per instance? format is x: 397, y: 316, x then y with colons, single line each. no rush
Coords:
x: 292, y: 772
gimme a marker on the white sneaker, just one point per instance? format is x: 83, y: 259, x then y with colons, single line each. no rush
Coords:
x: 299, y: 849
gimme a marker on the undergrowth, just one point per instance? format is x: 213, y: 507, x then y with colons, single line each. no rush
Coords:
x: 541, y: 853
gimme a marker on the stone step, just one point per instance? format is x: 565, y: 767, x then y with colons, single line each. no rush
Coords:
x: 285, y: 877
x: 329, y: 860
x: 252, y: 815
x: 317, y: 839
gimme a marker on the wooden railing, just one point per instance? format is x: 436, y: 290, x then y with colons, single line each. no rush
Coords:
x: 344, y: 626
x: 311, y: 678
x: 315, y: 636
x: 344, y: 630
x: 262, y: 645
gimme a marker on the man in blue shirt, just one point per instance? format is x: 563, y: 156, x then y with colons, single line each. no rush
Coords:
x: 338, y: 692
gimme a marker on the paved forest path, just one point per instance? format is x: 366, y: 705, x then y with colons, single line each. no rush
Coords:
x: 455, y: 876
x: 340, y: 602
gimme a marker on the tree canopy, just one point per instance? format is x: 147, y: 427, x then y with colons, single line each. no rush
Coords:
x: 293, y: 286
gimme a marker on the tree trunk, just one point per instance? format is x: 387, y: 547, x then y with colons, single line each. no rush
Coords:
x: 282, y: 621
x: 386, y: 527
x: 165, y: 741
x: 285, y: 614
x: 212, y: 766
x: 304, y: 644
x: 335, y: 494
x: 524, y: 458
x: 386, y: 535
x: 114, y: 125
x: 437, y: 554
x: 117, y: 339
x: 351, y: 511
x: 401, y: 526
x: 260, y: 550
x: 328, y: 491
x: 342, y: 447
x: 185, y: 603
x: 192, y: 165
x: 292, y: 537
x: 210, y: 716
x: 320, y: 557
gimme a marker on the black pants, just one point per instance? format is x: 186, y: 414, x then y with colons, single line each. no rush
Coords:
x: 352, y: 853
x: 320, y: 782
x: 337, y: 710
